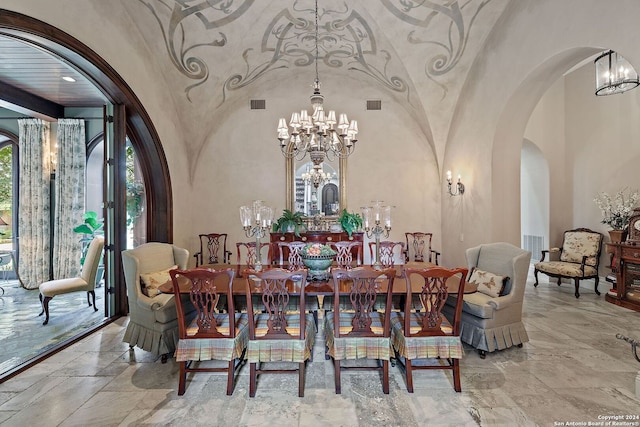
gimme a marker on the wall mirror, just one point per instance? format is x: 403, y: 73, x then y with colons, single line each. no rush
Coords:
x: 327, y: 198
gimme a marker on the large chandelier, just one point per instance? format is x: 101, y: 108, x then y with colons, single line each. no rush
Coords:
x: 319, y: 134
x: 614, y: 74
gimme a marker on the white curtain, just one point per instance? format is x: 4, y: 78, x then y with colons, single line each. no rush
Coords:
x: 34, y: 213
x: 69, y: 198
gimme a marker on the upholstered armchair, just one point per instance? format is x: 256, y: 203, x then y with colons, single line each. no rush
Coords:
x: 153, y: 324
x: 492, y: 317
x: 579, y: 257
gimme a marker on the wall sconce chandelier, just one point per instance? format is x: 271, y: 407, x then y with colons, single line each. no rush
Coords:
x: 614, y: 74
x: 459, y: 190
x: 320, y: 134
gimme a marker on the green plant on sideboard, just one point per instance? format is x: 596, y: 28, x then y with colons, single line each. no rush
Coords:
x: 289, y: 222
x: 350, y: 222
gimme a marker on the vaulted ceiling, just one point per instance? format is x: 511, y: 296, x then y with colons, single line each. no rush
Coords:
x: 214, y: 52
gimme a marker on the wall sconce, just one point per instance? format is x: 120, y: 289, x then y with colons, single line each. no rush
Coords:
x: 459, y: 186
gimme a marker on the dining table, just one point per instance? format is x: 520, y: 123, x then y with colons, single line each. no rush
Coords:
x: 317, y: 288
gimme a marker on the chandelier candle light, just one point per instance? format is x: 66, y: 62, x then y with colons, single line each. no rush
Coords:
x: 319, y: 134
x: 256, y: 222
x: 377, y: 222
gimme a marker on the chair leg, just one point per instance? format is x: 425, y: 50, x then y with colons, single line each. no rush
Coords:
x: 45, y: 307
x: 385, y: 376
x: 231, y: 369
x: 456, y: 375
x: 408, y: 372
x: 164, y: 358
x: 597, y: 280
x: 93, y: 297
x: 41, y: 304
x: 252, y: 380
x: 577, y: 282
x: 336, y: 368
x: 535, y: 274
x: 482, y: 353
x: 301, y: 379
x: 183, y: 378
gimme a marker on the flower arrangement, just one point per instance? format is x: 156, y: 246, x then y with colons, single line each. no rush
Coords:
x: 317, y: 250
x: 617, y: 210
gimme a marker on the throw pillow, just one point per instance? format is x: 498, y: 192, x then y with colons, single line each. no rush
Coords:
x: 152, y: 281
x: 488, y: 283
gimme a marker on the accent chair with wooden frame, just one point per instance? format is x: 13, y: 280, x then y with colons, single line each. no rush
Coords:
x: 213, y: 249
x: 360, y: 332
x: 85, y: 283
x: 427, y: 334
x: 277, y: 334
x: 418, y: 248
x: 579, y: 257
x: 209, y: 335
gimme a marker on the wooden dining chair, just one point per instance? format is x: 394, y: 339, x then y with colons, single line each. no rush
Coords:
x: 345, y: 258
x: 246, y: 255
x: 390, y: 252
x: 345, y: 253
x: 213, y: 249
x: 360, y: 332
x: 209, y: 335
x: 427, y: 334
x: 418, y: 248
x: 290, y: 257
x: 277, y: 334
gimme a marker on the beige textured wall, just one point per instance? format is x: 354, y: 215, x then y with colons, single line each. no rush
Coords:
x: 216, y: 165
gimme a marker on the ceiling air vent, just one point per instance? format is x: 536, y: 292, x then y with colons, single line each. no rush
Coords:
x: 258, y: 104
x: 374, y: 104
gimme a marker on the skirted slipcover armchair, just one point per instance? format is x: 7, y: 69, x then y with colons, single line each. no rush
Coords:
x: 492, y: 319
x: 153, y: 321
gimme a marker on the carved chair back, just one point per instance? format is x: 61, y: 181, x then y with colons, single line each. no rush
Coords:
x: 275, y: 285
x: 431, y: 286
x: 213, y: 249
x: 418, y: 247
x: 363, y: 284
x: 206, y: 288
x: 345, y: 250
x: 389, y: 252
x: 292, y: 252
x: 249, y: 250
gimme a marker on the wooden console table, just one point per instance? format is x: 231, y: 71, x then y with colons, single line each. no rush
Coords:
x: 625, y: 263
x: 317, y: 236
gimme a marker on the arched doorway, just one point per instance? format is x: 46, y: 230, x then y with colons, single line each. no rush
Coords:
x: 126, y: 117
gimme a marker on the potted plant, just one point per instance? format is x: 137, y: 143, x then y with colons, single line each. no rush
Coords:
x: 350, y: 222
x: 91, y: 227
x: 616, y: 211
x: 289, y: 222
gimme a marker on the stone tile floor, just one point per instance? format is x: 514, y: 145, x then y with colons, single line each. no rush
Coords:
x: 22, y: 335
x: 572, y: 370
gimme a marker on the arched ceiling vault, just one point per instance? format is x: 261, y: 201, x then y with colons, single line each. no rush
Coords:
x: 218, y: 54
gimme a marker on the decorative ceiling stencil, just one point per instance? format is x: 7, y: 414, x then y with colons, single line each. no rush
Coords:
x: 457, y: 17
x: 345, y: 39
x: 194, y: 15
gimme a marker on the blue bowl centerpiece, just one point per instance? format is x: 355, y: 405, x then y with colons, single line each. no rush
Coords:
x: 317, y: 258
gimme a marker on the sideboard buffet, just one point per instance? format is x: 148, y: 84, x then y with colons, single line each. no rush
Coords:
x: 625, y: 263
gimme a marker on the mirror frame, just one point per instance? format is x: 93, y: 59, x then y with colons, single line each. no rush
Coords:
x: 342, y: 182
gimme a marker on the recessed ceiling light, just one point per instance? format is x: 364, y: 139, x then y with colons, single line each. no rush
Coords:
x: 68, y: 79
